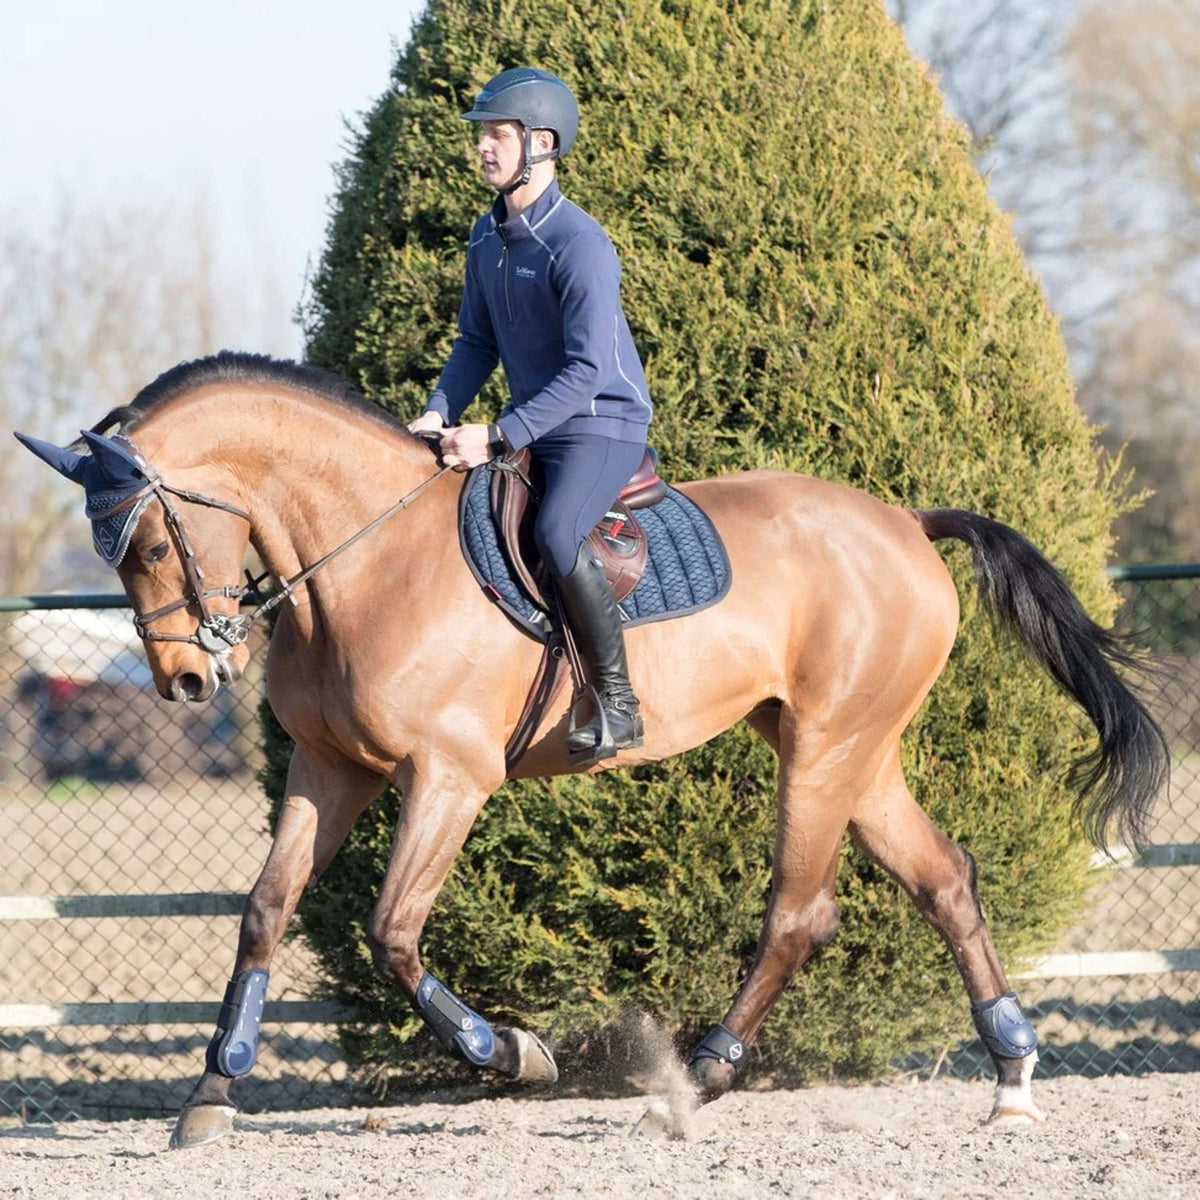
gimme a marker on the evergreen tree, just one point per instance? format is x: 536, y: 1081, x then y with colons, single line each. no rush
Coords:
x: 816, y: 280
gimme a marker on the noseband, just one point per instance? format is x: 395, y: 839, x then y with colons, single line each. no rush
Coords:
x: 218, y: 633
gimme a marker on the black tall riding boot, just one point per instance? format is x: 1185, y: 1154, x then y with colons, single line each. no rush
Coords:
x: 595, y: 621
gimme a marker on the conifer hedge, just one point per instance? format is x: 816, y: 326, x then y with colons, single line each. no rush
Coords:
x: 816, y: 280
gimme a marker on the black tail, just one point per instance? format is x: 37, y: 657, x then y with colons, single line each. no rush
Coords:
x: 1025, y: 593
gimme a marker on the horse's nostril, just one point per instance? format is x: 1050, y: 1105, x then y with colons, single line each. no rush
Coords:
x: 188, y: 685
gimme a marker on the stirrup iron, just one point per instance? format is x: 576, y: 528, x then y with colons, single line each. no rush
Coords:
x: 606, y: 745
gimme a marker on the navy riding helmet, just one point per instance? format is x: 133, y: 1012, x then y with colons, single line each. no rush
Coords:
x: 535, y: 99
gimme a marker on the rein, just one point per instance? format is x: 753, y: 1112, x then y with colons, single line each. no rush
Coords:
x: 218, y: 633
x: 289, y: 585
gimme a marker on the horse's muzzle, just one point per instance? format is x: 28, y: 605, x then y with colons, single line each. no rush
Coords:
x: 227, y: 671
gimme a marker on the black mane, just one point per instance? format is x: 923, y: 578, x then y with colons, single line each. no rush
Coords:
x: 230, y: 366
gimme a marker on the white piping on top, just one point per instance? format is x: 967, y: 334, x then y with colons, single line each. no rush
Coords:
x: 542, y: 220
x: 490, y: 233
x: 541, y: 243
x: 621, y: 371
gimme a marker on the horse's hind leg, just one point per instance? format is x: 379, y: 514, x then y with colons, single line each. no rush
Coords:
x: 323, y: 799
x: 893, y: 829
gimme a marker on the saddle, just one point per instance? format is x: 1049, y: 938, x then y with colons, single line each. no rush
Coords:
x: 618, y: 543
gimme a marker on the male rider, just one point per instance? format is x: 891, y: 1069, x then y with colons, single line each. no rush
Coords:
x: 542, y: 297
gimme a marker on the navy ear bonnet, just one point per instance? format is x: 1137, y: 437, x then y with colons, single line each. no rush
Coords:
x: 110, y: 474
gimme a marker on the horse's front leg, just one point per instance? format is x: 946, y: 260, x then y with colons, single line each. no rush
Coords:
x: 324, y: 796
x: 441, y: 803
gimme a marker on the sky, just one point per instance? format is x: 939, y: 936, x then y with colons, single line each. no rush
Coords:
x: 247, y: 102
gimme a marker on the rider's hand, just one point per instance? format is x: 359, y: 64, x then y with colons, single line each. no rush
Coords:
x: 426, y: 422
x: 466, y: 447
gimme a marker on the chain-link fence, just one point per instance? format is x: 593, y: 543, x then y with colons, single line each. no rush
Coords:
x: 1121, y: 993
x: 130, y: 830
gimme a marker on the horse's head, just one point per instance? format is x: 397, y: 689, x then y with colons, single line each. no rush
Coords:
x: 181, y: 578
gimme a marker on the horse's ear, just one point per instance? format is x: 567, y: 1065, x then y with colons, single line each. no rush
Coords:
x: 76, y: 467
x: 117, y: 463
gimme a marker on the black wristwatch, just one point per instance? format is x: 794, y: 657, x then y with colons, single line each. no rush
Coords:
x: 497, y: 442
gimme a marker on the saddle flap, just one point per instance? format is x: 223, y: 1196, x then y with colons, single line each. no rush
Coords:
x: 618, y: 543
x: 512, y: 496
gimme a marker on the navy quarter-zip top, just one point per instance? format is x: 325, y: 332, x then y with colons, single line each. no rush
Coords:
x: 542, y: 296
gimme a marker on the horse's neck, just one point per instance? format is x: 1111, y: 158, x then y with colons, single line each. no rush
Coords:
x: 310, y: 472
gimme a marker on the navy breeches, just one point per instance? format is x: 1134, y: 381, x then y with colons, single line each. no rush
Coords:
x: 582, y: 475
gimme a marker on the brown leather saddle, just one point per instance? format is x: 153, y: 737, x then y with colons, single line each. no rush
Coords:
x: 618, y: 542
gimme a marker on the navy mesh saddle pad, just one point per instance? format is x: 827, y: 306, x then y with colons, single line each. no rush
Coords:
x: 687, y: 568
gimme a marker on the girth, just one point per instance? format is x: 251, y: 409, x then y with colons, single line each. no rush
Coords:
x: 618, y: 543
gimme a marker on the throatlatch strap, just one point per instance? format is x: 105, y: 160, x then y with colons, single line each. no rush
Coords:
x: 722, y: 1044
x: 1006, y: 1031
x: 234, y: 1047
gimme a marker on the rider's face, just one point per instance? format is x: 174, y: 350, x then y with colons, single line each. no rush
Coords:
x: 501, y: 151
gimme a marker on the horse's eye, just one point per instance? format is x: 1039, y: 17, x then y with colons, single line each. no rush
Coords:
x: 158, y: 553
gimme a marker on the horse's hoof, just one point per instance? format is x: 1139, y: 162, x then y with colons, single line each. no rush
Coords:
x: 535, y: 1064
x: 1012, y: 1102
x: 1015, y: 1118
x: 711, y: 1078
x: 663, y: 1121
x: 200, y: 1124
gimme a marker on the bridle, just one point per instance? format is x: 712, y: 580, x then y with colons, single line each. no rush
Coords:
x: 217, y: 633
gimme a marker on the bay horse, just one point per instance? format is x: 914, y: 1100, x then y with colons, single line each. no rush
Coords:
x: 391, y: 666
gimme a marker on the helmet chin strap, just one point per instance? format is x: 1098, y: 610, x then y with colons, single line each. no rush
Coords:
x: 530, y: 160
